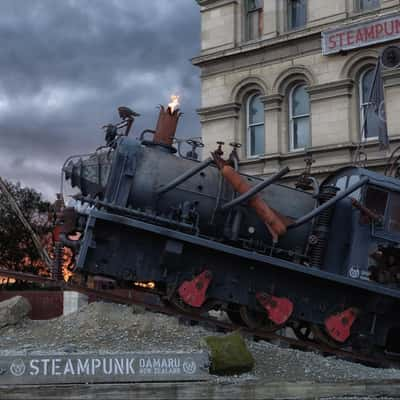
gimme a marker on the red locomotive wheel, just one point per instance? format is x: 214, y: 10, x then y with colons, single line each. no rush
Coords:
x: 257, y: 320
x: 322, y: 337
x: 177, y: 303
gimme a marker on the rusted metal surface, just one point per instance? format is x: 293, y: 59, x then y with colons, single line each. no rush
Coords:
x: 28, y: 277
x: 166, y: 126
x: 255, y: 189
x: 364, y: 210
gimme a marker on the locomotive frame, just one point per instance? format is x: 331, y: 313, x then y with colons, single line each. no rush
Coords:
x: 147, y: 215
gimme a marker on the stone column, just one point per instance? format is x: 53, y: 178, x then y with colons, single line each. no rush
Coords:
x: 272, y: 108
x: 330, y: 113
x: 391, y: 83
x: 220, y: 123
x: 270, y: 21
x: 218, y: 24
x: 73, y: 301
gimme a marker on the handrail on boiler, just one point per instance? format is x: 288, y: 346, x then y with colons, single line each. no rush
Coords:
x: 185, y: 176
x: 329, y: 203
x: 255, y: 189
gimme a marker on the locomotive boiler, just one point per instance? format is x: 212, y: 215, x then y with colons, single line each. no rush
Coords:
x: 320, y: 258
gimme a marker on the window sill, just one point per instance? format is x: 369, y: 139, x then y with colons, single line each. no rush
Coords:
x: 295, y: 30
x: 299, y: 150
x: 370, y: 139
x: 362, y: 13
x: 256, y: 157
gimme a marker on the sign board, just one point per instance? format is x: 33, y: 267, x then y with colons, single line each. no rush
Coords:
x: 362, y: 34
x: 103, y: 368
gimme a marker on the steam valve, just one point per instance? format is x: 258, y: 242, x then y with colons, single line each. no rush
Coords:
x: 219, y: 151
x: 194, y: 144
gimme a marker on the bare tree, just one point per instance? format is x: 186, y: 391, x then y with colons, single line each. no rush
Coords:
x: 17, y: 250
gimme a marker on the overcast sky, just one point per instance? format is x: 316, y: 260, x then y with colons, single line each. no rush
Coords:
x: 66, y: 65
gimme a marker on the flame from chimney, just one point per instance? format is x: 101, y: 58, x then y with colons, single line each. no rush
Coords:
x: 174, y: 103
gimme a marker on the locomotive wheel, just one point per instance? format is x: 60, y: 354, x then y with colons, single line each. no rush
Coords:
x: 322, y: 337
x: 176, y: 302
x: 233, y: 312
x: 257, y: 320
x: 303, y: 330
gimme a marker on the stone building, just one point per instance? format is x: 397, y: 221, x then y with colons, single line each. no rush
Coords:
x: 287, y: 77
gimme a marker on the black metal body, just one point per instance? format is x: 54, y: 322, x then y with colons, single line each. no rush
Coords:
x: 140, y: 232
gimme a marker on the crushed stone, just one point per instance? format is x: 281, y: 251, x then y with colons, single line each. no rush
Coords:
x: 111, y: 328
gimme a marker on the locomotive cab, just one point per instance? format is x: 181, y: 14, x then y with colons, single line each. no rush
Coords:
x: 364, y: 242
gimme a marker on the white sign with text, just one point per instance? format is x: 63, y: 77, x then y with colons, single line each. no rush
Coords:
x: 361, y: 34
x: 104, y: 368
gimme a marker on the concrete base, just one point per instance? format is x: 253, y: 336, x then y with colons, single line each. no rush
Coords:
x: 73, y: 301
x: 210, y: 391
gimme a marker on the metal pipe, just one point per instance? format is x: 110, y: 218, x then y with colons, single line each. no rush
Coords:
x: 329, y: 203
x: 255, y: 189
x: 146, y: 131
x: 315, y: 186
x: 184, y: 177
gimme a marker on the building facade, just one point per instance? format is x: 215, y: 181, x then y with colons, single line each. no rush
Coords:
x: 289, y: 77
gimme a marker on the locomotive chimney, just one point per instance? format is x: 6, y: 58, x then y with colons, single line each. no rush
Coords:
x: 167, y: 123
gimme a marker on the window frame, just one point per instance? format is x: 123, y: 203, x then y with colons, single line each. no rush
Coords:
x: 289, y: 26
x: 359, y: 8
x: 363, y: 104
x: 292, y: 118
x: 250, y: 125
x: 257, y: 10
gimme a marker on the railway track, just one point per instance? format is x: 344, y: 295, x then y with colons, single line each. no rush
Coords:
x: 373, y: 360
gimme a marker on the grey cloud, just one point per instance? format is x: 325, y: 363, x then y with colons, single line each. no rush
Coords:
x: 65, y: 67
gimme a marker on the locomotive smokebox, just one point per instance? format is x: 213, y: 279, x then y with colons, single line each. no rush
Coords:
x: 167, y: 123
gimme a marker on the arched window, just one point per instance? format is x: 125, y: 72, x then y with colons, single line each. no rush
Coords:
x: 255, y: 126
x: 299, y: 117
x: 369, y: 121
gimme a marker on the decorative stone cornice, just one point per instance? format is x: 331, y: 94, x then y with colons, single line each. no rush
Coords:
x: 272, y: 102
x: 391, y: 78
x: 230, y: 110
x: 210, y: 4
x: 330, y: 90
x: 325, y: 156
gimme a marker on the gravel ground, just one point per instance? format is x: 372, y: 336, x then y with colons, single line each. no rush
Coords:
x: 109, y: 328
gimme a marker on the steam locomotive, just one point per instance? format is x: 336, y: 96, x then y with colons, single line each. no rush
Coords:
x: 320, y: 258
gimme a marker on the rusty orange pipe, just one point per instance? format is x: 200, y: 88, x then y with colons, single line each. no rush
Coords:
x: 273, y: 222
x: 166, y: 126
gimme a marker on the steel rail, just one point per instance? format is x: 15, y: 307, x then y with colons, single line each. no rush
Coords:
x: 385, y: 361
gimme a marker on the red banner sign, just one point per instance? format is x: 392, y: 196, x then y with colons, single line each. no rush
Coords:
x: 362, y: 34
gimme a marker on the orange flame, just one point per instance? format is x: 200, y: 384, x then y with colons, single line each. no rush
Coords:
x: 145, y: 285
x: 174, y: 102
